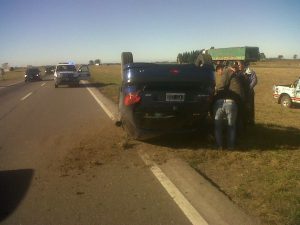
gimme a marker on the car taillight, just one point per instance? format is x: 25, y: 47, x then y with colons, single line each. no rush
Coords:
x: 132, y: 98
x: 174, y: 71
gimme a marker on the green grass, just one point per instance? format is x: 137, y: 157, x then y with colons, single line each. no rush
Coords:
x: 107, y: 79
x: 263, y: 174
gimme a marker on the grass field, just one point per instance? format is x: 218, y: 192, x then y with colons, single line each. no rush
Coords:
x: 17, y: 74
x: 263, y: 174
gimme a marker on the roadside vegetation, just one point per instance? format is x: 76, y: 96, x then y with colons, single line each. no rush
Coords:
x: 263, y: 174
x: 17, y: 74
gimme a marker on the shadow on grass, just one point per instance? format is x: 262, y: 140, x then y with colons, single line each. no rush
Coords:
x: 259, y: 137
x: 97, y: 85
x: 13, y: 187
x: 270, y: 137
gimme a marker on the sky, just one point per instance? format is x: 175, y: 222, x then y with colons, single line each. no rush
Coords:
x: 42, y: 32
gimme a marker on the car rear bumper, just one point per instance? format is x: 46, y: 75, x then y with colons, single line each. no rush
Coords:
x: 34, y: 78
x: 66, y: 80
x: 147, y: 123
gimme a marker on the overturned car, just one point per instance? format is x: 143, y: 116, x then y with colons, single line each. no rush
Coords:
x: 156, y: 99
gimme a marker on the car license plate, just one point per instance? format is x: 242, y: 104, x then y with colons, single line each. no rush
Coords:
x: 175, y: 97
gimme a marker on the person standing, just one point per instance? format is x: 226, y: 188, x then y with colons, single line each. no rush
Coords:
x: 251, y: 78
x: 228, y: 99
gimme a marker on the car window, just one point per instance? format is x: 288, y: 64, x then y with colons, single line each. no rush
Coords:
x: 66, y: 68
x: 32, y: 71
x: 84, y: 69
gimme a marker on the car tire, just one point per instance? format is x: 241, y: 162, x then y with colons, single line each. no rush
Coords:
x: 126, y: 57
x: 204, y: 59
x: 130, y: 130
x: 286, y: 101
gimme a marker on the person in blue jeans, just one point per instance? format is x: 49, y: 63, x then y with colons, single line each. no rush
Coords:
x: 228, y: 99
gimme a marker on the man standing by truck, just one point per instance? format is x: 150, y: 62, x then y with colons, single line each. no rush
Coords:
x: 227, y: 103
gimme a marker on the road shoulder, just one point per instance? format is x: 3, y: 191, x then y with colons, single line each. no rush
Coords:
x: 208, y: 200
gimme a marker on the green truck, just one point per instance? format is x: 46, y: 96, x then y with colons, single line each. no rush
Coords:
x: 248, y: 54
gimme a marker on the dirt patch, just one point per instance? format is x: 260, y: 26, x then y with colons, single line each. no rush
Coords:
x: 95, y: 148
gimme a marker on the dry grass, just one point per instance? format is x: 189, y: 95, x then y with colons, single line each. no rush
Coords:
x: 263, y: 174
x: 108, y: 79
x: 17, y: 74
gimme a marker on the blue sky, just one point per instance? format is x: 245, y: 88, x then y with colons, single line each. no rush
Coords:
x: 41, y: 32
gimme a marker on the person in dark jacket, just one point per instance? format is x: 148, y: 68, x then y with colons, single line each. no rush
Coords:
x: 250, y: 79
x: 228, y: 99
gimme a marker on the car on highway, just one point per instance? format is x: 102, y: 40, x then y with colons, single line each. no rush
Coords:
x: 156, y: 99
x: 67, y: 73
x: 32, y: 74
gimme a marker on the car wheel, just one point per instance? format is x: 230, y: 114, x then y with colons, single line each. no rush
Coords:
x: 286, y: 101
x: 126, y: 57
x: 130, y: 130
x: 204, y: 59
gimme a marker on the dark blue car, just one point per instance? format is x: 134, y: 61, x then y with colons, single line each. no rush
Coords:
x: 157, y: 99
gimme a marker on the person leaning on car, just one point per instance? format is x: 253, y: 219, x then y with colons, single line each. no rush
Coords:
x: 228, y: 101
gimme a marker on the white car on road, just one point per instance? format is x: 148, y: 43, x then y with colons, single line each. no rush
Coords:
x: 66, y: 73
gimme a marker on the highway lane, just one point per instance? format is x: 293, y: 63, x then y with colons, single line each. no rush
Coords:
x: 62, y: 162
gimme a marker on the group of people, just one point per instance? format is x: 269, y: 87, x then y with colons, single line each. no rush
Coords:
x: 233, y: 105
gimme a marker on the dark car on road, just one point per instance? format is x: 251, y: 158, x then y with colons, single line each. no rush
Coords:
x: 32, y: 74
x: 155, y: 99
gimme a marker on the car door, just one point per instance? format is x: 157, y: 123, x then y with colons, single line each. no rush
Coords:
x: 84, y: 73
x: 297, y: 91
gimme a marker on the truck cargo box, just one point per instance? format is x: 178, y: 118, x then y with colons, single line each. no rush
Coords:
x: 250, y: 54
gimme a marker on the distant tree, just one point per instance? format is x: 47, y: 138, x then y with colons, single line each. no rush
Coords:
x: 179, y: 58
x: 97, y: 61
x: 11, y: 69
x: 295, y: 56
x: 262, y: 56
x: 212, y: 47
x: 280, y: 56
x: 188, y: 57
x: 91, y: 62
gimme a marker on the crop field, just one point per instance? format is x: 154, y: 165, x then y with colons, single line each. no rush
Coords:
x: 262, y: 175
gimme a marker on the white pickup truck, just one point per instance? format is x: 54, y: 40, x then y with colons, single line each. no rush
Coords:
x: 287, y: 95
x: 66, y: 73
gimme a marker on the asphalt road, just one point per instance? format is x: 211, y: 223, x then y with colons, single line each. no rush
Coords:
x: 62, y: 162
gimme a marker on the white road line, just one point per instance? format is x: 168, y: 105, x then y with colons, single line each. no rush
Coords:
x: 43, y: 84
x: 186, y: 207
x: 110, y: 115
x: 26, y: 96
x: 190, y: 212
